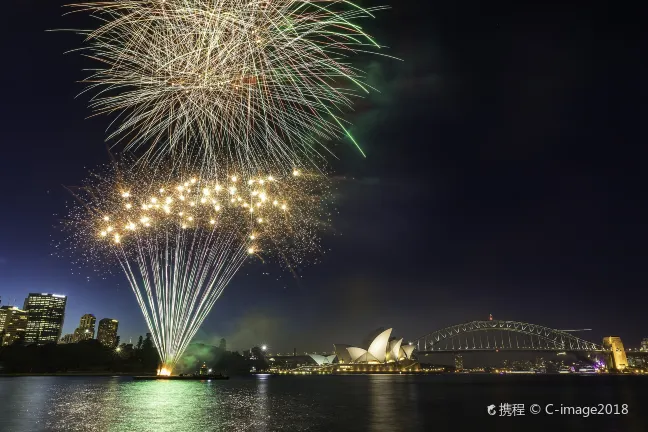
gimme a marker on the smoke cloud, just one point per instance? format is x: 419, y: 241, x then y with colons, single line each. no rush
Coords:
x: 253, y: 329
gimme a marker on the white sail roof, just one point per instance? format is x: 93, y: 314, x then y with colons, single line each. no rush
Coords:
x: 320, y: 359
x: 394, y: 349
x: 356, y: 352
x: 408, y: 350
x: 378, y: 348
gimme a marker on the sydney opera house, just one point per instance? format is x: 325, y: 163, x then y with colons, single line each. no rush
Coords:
x: 383, y: 353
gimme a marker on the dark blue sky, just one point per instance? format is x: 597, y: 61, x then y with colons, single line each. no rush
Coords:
x: 505, y: 175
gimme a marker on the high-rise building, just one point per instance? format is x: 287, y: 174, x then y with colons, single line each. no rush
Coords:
x: 223, y: 344
x: 615, y: 345
x: 86, y: 328
x: 458, y: 360
x: 4, y: 311
x: 644, y: 345
x: 107, y: 332
x: 635, y: 362
x: 46, y: 313
x: 13, y: 325
x: 88, y: 322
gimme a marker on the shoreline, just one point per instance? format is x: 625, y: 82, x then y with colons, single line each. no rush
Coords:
x: 74, y: 374
x: 154, y: 376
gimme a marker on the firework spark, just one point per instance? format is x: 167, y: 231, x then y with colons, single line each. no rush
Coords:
x: 256, y: 83
x: 180, y: 240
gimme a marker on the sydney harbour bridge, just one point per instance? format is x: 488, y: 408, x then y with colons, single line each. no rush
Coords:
x: 499, y: 335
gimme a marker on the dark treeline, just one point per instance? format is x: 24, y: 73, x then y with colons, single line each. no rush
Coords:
x: 85, y: 356
x: 141, y: 358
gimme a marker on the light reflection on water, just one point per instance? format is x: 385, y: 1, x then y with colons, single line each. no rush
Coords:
x: 120, y: 404
x: 318, y: 403
x: 386, y: 397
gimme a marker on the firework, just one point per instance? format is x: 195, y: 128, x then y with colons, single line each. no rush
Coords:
x: 180, y: 240
x: 256, y: 83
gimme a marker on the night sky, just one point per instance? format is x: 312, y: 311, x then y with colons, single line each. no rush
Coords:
x: 505, y: 175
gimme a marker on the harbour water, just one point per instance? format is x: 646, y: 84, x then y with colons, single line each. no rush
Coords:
x: 318, y: 403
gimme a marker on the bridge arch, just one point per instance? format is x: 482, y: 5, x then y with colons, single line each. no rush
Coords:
x: 548, y: 338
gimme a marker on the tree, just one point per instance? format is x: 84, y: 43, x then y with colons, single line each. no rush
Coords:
x: 139, y: 343
x: 147, y: 344
x: 149, y: 355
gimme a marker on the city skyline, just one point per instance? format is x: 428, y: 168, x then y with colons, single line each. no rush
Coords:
x: 39, y: 303
x: 74, y: 335
x: 85, y: 331
x: 531, y: 213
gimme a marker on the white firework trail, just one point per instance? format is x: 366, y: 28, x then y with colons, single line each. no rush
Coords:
x: 256, y: 83
x: 181, y: 239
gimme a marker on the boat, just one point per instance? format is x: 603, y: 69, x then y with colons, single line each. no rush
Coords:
x: 182, y: 377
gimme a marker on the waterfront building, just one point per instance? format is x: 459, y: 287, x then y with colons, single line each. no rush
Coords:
x: 88, y: 322
x: 13, y: 325
x: 381, y: 350
x: 107, y: 332
x: 86, y: 328
x: 618, y: 354
x: 458, y: 360
x: 383, y: 354
x: 635, y: 362
x: 289, y: 362
x: 644, y: 345
x: 46, y: 313
x: 540, y: 365
x: 3, y: 317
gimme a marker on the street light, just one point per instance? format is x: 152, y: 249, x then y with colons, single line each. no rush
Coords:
x: 264, y: 347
